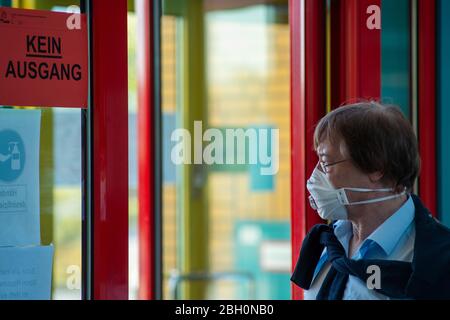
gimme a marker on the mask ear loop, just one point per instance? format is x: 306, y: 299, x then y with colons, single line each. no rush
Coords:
x: 379, y: 199
x: 369, y: 190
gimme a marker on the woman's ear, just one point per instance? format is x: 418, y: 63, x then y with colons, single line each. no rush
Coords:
x: 376, y: 176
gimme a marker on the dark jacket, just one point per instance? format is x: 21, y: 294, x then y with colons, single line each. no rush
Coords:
x: 430, y: 276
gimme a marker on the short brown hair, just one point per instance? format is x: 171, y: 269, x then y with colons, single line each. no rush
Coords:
x: 378, y: 137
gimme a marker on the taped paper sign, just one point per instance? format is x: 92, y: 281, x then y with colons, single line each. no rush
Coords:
x: 43, y: 61
x: 26, y: 273
x: 19, y: 177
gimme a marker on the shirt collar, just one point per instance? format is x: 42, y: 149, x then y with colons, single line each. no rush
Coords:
x: 387, y: 235
x: 389, y: 232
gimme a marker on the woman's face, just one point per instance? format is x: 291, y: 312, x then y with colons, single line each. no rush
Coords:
x: 346, y: 173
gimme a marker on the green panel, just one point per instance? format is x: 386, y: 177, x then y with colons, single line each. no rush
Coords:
x: 236, y: 167
x: 443, y: 111
x: 396, y: 53
x: 230, y: 168
x: 249, y: 239
x: 173, y: 7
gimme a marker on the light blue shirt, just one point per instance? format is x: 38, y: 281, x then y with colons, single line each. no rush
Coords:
x: 392, y: 240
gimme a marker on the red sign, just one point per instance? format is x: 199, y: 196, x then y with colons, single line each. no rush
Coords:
x: 43, y: 58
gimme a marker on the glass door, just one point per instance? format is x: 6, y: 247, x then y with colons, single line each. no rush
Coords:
x: 225, y: 112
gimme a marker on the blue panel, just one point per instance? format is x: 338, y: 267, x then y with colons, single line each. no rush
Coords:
x: 396, y: 53
x: 443, y: 112
x: 259, y: 182
x: 168, y: 126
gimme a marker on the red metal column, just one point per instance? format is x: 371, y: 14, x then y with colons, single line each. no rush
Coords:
x: 307, y: 23
x: 145, y: 149
x: 337, y: 54
x: 355, y: 53
x: 427, y: 101
x: 110, y: 149
x: 315, y: 88
x: 362, y: 51
x: 298, y: 176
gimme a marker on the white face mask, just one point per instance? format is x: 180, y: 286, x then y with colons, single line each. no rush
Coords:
x: 330, y: 202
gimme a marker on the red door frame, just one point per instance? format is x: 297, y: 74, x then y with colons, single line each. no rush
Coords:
x: 307, y: 24
x: 362, y: 51
x: 427, y: 101
x: 146, y: 146
x: 355, y: 53
x: 109, y: 104
x: 360, y: 74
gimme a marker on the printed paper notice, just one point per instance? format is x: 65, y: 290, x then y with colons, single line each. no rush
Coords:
x: 26, y: 273
x: 19, y: 177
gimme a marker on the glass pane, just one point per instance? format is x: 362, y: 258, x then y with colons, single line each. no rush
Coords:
x: 396, y: 53
x: 443, y: 110
x: 226, y: 178
x: 56, y: 163
x: 66, y: 188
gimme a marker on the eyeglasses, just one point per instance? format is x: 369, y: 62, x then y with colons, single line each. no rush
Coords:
x: 325, y: 166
